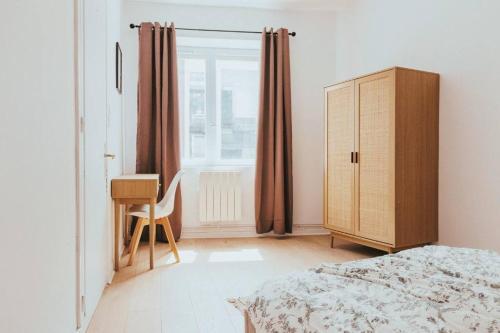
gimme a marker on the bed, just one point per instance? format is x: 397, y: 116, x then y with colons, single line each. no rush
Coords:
x: 430, y: 289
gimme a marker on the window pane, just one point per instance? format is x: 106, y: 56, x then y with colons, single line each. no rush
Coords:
x: 218, y: 99
x: 194, y: 91
x: 238, y: 87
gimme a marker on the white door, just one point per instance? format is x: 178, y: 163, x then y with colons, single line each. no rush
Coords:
x: 100, y: 109
x: 96, y: 228
x: 114, y: 137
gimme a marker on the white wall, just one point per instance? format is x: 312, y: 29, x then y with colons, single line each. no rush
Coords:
x: 37, y: 168
x: 459, y: 40
x: 312, y: 65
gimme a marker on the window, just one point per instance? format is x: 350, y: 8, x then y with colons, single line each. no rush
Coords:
x: 219, y: 91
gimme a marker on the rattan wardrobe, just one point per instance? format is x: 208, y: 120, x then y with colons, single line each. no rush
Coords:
x: 381, y: 159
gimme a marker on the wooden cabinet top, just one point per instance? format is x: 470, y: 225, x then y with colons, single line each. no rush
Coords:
x: 138, y: 177
x: 395, y: 68
x: 135, y: 186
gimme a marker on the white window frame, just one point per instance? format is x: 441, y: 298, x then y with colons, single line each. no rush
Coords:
x: 239, y: 50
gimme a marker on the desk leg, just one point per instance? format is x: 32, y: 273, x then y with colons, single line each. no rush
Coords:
x: 117, y: 235
x: 152, y: 233
x: 127, y: 226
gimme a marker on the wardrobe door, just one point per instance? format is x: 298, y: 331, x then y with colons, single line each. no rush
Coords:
x: 375, y: 119
x: 339, y: 170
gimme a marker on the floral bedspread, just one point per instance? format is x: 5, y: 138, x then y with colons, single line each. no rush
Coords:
x: 430, y: 289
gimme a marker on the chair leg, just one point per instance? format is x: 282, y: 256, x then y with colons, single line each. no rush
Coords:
x: 136, y: 237
x: 165, y: 222
x: 331, y: 242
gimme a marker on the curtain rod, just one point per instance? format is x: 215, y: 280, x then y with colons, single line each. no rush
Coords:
x: 293, y: 34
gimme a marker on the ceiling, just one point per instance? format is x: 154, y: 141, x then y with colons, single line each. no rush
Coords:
x: 300, y: 5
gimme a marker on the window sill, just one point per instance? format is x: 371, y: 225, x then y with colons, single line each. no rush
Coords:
x: 218, y: 166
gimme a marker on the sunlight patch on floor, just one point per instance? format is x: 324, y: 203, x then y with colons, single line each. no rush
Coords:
x: 187, y: 257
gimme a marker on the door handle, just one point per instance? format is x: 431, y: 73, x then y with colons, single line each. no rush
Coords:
x: 354, y: 157
x: 111, y: 156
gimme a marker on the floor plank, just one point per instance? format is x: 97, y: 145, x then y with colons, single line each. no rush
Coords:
x: 191, y: 296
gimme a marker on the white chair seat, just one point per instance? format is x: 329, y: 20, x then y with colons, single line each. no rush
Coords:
x: 143, y: 211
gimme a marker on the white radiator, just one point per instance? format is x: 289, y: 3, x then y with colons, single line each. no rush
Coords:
x: 220, y: 196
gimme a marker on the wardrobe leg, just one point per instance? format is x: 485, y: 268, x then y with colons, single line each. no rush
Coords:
x: 331, y: 241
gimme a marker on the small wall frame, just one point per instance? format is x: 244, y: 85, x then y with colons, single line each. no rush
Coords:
x: 118, y: 67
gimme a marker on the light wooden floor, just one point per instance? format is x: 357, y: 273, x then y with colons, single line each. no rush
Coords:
x: 191, y: 296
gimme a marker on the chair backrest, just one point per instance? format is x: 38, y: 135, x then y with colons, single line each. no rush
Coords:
x: 166, y: 205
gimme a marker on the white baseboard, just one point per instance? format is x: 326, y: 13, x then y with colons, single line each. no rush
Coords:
x: 235, y: 231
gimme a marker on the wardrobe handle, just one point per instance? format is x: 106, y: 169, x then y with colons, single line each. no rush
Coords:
x: 356, y: 158
x: 352, y: 157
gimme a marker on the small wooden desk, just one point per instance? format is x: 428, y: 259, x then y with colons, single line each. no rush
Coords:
x: 135, y: 190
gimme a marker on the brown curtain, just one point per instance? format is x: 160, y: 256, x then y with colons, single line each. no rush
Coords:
x: 273, y: 173
x: 158, y: 146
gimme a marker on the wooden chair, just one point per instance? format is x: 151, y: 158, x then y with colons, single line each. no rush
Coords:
x: 162, y: 210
